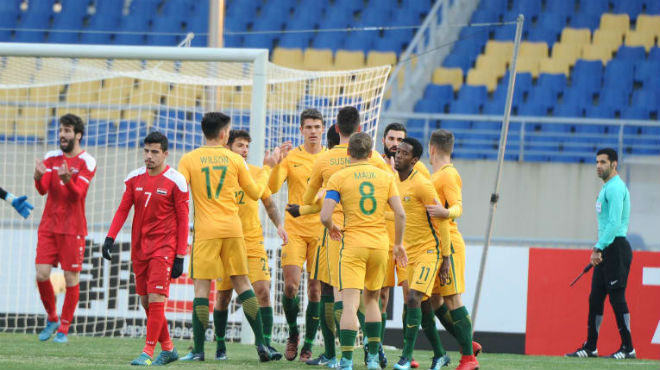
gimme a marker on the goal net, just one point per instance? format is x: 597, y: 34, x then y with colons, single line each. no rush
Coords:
x: 121, y: 100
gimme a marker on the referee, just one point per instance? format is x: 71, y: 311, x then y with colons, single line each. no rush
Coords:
x: 611, y: 258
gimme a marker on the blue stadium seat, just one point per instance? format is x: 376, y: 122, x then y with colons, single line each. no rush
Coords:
x: 385, y: 45
x: 596, y: 7
x: 635, y: 112
x: 585, y: 19
x: 654, y: 53
x: 429, y: 106
x: 360, y: 41
x: 505, y: 33
x: 475, y: 94
x: 619, y: 74
x: 98, y: 132
x: 405, y: 17
x: 102, y: 28
x: 146, y: 9
x: 614, y: 98
x: 568, y: 109
x: 484, y: 15
x: 632, y: 53
x: 111, y: 10
x: 180, y: 8
x: 443, y: 92
x: 494, y: 6
x: 630, y: 7
x: 556, y: 83
x: 462, y: 61
x: 464, y: 106
x: 328, y: 40
x: 529, y: 8
x: 277, y: 9
x: 164, y: 26
x: 652, y: 7
x: 494, y: 108
x: 587, y: 76
x: 646, y: 70
x: 295, y: 40
x: 564, y: 8
x: 400, y: 38
x: 600, y: 111
x: 578, y: 96
x: 7, y: 20
x: 548, y: 28
x: 236, y: 24
x: 646, y: 99
x: 374, y: 16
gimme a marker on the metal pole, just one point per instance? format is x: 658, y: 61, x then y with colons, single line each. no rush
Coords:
x: 258, y: 111
x: 500, y: 161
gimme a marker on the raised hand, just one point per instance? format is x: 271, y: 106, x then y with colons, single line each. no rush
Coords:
x: 272, y: 158
x: 285, y: 148
x: 22, y: 206
x: 39, y: 169
x: 64, y: 172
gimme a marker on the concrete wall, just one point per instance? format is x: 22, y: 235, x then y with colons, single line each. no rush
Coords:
x: 537, y: 200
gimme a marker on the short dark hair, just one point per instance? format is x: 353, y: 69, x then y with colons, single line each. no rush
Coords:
x: 332, y: 136
x: 359, y: 145
x: 71, y: 119
x: 443, y: 140
x: 310, y: 113
x: 155, y: 137
x: 213, y: 122
x: 348, y: 120
x: 417, y: 148
x: 611, y: 154
x: 238, y: 134
x: 396, y: 126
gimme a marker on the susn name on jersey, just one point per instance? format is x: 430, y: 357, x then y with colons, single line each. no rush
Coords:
x: 214, y: 159
x: 339, y: 161
x: 364, y: 175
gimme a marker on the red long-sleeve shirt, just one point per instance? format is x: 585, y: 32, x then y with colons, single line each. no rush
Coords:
x: 160, y: 221
x: 65, y: 206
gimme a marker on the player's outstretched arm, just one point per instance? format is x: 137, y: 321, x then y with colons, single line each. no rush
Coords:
x: 274, y: 215
x: 254, y: 189
x: 20, y: 204
x: 118, y: 221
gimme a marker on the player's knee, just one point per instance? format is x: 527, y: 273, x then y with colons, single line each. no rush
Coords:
x: 263, y: 296
x: 453, y: 301
x: 414, y: 299
x: 290, y: 289
x: 71, y: 278
x: 222, y: 299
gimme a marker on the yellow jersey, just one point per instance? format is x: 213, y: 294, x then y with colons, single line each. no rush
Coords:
x: 295, y: 169
x: 248, y: 209
x: 363, y: 191
x: 326, y: 165
x: 448, y: 185
x: 215, y: 173
x: 416, y: 192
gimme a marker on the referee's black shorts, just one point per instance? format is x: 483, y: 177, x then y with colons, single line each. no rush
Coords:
x: 613, y: 271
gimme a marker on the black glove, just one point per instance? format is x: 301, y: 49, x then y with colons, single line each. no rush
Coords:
x: 177, y: 268
x: 107, y: 247
x: 293, y: 209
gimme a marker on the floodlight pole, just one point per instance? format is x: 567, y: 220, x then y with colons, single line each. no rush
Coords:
x: 494, y: 197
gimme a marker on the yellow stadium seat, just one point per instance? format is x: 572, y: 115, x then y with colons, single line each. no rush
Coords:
x: 46, y: 94
x: 596, y: 52
x: 184, y: 96
x: 567, y: 52
x: 648, y: 23
x: 83, y: 113
x: 485, y: 77
x: 575, y: 36
x: 610, y: 39
x: 292, y: 58
x: 162, y: 65
x: 8, y: 116
x: 318, y: 59
x: 144, y: 115
x: 13, y: 95
x: 105, y: 114
x: 529, y: 65
x: 126, y: 65
x: 145, y: 98
x: 615, y: 22
x: 503, y: 49
x: 33, y: 121
x: 495, y: 64
x: 379, y: 58
x: 640, y: 38
x: 345, y: 59
x: 83, y: 92
x: 35, y: 113
x: 536, y: 50
x: 554, y: 66
x: 448, y: 76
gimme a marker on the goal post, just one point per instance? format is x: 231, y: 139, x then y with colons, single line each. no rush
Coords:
x: 122, y: 93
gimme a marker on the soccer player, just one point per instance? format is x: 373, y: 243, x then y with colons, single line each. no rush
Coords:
x: 159, y: 240
x: 447, y: 292
x: 611, y: 258
x: 64, y: 175
x: 325, y: 267
x: 428, y: 247
x: 363, y: 191
x: 303, y: 234
x: 258, y: 269
x: 394, y: 133
x: 20, y: 204
x: 215, y: 173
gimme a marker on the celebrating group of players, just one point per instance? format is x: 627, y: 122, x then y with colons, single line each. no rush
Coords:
x: 354, y: 217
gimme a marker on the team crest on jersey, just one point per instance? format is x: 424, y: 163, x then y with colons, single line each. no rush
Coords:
x: 161, y: 191
x: 406, y: 199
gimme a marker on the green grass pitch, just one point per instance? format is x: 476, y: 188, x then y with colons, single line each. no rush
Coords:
x: 20, y: 351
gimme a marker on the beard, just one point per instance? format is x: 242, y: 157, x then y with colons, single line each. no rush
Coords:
x: 67, y: 147
x: 389, y: 153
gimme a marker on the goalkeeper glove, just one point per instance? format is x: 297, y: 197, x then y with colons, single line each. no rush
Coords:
x: 293, y: 209
x: 20, y: 204
x: 177, y: 268
x: 107, y: 247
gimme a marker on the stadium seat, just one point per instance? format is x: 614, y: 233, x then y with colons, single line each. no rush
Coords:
x: 649, y: 24
x: 585, y: 19
x: 328, y: 40
x: 483, y: 77
x: 629, y: 7
x: 596, y: 7
x: 505, y: 33
x: 615, y: 22
x: 631, y: 53
x: 554, y: 65
x: 292, y: 58
x: 654, y: 53
x: 536, y: 50
x: 430, y: 106
x: 619, y: 75
x: 548, y: 28
x: 528, y: 64
x: 464, y: 107
x: 640, y: 38
x: 578, y: 36
x: 345, y: 59
x: 475, y: 94
x: 377, y: 58
x: 45, y: 94
x: 294, y: 41
x: 451, y: 76
x: 314, y: 59
x: 613, y: 98
x: 597, y: 52
x: 568, y: 53
x: 646, y: 70
x: 562, y: 8
x: 610, y: 39
x: 494, y: 64
x: 500, y: 49
x: 568, y: 109
x: 361, y: 41
x: 646, y: 99
x: 439, y: 92
x: 554, y: 83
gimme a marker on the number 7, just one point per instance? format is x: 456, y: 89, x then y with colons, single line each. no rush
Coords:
x: 148, y: 197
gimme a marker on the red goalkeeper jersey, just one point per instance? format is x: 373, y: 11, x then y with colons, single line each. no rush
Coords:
x: 160, y: 221
x: 65, y: 206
